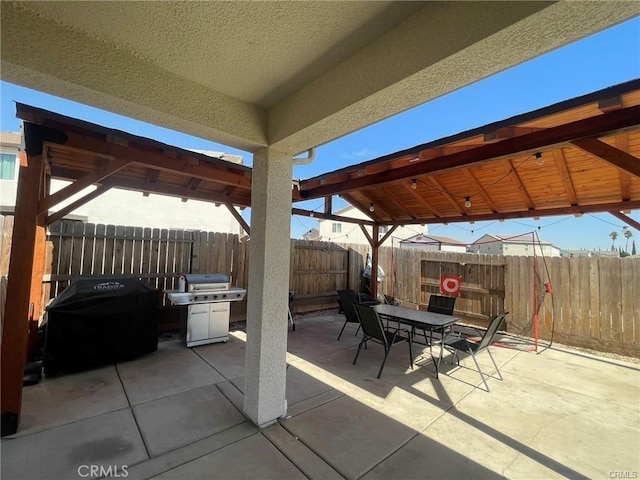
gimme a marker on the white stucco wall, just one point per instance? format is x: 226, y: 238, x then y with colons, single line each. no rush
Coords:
x: 430, y: 245
x: 123, y: 207
x: 10, y: 144
x: 490, y: 245
x: 352, y: 233
x: 129, y: 208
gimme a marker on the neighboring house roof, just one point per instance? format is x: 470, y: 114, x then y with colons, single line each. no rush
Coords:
x: 11, y: 138
x: 422, y: 238
x: 520, y: 239
x: 221, y: 155
x: 311, y: 234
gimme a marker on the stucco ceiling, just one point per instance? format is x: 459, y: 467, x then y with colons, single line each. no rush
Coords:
x: 289, y: 75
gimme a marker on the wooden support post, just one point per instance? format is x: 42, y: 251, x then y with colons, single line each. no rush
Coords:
x: 15, y: 331
x: 375, y: 245
x: 35, y: 297
x: 328, y: 204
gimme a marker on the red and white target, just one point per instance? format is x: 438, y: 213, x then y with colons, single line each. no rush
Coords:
x: 450, y: 285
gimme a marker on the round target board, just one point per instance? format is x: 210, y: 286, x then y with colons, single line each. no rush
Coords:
x: 450, y: 285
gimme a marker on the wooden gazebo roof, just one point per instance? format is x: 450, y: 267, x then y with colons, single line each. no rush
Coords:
x: 89, y: 154
x: 577, y: 156
x: 574, y: 157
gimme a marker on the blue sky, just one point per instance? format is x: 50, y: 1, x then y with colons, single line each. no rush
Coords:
x: 601, y: 60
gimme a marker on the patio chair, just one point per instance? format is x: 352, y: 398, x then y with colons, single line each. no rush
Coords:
x: 455, y: 344
x: 373, y: 330
x: 440, y: 304
x: 346, y: 299
x: 293, y: 324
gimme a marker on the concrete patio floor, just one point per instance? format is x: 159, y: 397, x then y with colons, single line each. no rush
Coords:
x: 177, y: 414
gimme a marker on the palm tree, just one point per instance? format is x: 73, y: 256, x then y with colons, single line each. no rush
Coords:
x: 627, y: 234
x: 614, y: 237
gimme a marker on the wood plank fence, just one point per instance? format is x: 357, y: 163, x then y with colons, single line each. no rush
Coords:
x: 594, y: 304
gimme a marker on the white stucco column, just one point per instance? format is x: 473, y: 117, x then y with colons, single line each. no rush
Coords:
x: 269, y: 254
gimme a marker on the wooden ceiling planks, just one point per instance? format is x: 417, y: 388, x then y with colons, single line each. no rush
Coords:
x: 590, y: 150
x: 88, y: 154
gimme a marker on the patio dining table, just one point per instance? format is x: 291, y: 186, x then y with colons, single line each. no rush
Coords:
x: 421, y: 319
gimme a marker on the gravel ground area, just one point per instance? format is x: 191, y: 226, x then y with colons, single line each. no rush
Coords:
x: 586, y: 351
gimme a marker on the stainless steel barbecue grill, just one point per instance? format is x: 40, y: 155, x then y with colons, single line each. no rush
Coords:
x: 205, y: 301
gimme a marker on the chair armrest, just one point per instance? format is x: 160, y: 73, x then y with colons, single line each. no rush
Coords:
x: 363, y: 297
x: 459, y: 329
x: 370, y: 303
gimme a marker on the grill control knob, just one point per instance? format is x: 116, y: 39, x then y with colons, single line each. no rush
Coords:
x: 224, y: 295
x: 206, y: 297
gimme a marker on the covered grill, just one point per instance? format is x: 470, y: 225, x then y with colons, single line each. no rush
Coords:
x: 100, y: 320
x: 205, y: 300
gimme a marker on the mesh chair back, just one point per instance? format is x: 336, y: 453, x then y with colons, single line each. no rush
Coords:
x: 370, y: 321
x: 441, y: 304
x: 347, y: 299
x: 492, y: 330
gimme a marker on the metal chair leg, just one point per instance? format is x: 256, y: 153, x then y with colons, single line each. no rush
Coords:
x: 293, y: 325
x: 386, y: 354
x: 479, y: 371
x: 343, y: 326
x: 494, y: 364
x: 358, y: 352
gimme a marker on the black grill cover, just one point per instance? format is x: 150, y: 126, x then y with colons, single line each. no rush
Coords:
x: 99, y: 321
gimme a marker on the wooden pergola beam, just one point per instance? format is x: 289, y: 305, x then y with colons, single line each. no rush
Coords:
x: 546, y: 212
x: 207, y: 169
x: 517, y: 181
x: 362, y: 207
x: 421, y: 200
x: 367, y: 236
x: 328, y: 204
x: 127, y: 183
x: 80, y: 184
x: 508, y: 132
x: 78, y: 203
x: 387, y: 235
x: 616, y: 157
x: 308, y: 213
x: 626, y: 219
x: 445, y: 193
x: 565, y: 175
x: 245, y: 226
x: 21, y: 266
x: 398, y: 203
x: 480, y: 189
x: 374, y: 260
x: 622, y: 142
x: 601, y: 125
